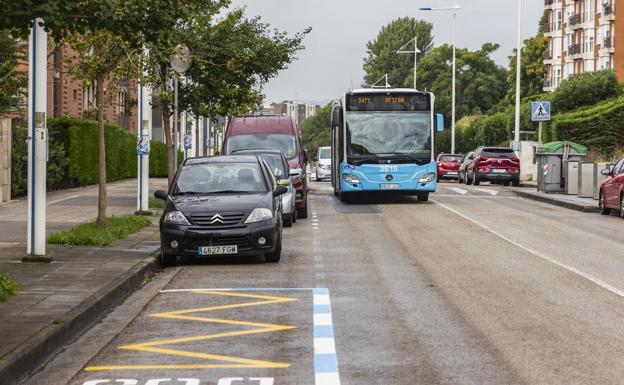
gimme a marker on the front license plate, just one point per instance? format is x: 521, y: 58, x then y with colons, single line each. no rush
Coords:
x: 390, y: 186
x: 217, y: 250
x: 499, y: 170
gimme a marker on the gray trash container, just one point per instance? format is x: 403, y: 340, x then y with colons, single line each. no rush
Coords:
x: 551, y: 159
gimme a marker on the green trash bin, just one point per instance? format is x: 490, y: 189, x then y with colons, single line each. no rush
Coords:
x: 552, y: 159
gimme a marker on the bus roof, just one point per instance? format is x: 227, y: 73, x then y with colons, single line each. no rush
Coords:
x: 383, y: 90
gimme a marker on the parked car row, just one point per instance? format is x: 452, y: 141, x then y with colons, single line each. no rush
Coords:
x: 237, y: 204
x: 611, y: 195
x: 485, y: 164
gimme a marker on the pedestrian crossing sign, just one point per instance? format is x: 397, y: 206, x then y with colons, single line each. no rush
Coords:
x: 540, y: 111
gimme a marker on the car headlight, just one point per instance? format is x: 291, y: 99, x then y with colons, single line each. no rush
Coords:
x: 176, y: 218
x: 259, y: 214
x: 350, y: 178
x: 428, y: 177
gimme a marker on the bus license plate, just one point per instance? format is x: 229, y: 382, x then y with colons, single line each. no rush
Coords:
x: 217, y: 250
x: 390, y: 186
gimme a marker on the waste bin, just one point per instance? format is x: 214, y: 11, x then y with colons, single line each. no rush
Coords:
x: 586, y: 180
x: 551, y: 174
x: 598, y: 177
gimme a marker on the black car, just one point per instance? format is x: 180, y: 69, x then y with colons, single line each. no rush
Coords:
x: 223, y: 205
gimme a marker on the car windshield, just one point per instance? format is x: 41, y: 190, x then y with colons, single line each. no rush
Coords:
x: 498, y: 153
x: 324, y: 153
x: 283, y: 142
x: 384, y: 134
x: 451, y: 158
x: 276, y: 162
x: 207, y: 178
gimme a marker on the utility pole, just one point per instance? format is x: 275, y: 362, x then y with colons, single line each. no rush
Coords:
x: 175, y: 123
x: 37, y: 139
x: 144, y: 128
x: 518, y: 62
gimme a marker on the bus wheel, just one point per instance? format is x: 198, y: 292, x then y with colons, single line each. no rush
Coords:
x: 423, y: 196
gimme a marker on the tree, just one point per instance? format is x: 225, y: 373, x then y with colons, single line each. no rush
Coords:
x: 532, y: 68
x: 480, y: 82
x: 585, y: 90
x: 317, y: 130
x: 382, y: 57
x: 12, y: 82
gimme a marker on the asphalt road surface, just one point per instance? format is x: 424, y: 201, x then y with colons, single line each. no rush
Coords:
x: 476, y: 286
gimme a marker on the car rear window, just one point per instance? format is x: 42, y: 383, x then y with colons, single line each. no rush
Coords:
x: 498, y: 153
x: 451, y: 158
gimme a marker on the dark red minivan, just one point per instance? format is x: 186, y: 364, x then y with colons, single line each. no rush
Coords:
x: 272, y: 132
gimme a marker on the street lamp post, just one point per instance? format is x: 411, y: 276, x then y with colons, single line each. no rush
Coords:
x: 181, y: 61
x: 518, y: 62
x: 454, y: 8
x: 415, y: 52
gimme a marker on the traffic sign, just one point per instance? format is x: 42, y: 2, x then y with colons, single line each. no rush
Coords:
x: 540, y: 111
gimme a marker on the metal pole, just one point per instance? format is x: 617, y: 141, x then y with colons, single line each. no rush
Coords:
x: 37, y: 141
x: 539, y: 133
x: 205, y: 136
x: 175, y: 124
x: 144, y: 133
x: 454, y: 70
x: 415, y: 57
x: 518, y: 62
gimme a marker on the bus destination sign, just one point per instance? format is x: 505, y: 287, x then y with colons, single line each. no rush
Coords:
x: 387, y: 102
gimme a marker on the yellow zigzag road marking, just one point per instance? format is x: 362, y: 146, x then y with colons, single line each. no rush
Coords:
x: 231, y: 362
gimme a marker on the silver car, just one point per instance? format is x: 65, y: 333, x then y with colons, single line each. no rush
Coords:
x: 279, y: 165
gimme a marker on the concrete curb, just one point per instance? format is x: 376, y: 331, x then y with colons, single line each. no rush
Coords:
x: 16, y: 366
x: 566, y: 204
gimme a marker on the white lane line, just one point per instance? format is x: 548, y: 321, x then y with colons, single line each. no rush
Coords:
x: 487, y: 191
x: 536, y: 253
x: 324, y: 346
x: 321, y: 299
x: 63, y: 199
x: 457, y: 190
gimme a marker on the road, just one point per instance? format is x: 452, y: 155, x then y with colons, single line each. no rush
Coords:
x: 476, y: 286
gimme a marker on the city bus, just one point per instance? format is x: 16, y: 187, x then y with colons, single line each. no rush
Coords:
x: 383, y: 140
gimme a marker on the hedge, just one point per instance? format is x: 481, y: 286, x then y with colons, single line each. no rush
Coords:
x: 73, y: 155
x: 600, y: 127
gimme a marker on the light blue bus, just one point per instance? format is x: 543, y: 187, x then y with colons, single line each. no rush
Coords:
x: 383, y: 140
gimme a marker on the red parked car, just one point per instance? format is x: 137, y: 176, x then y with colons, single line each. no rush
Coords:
x: 612, y: 190
x: 448, y: 166
x: 494, y: 164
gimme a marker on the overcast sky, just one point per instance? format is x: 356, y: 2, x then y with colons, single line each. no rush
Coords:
x: 332, y: 60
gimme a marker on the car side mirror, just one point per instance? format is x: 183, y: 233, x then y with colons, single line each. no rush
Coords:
x: 280, y: 190
x: 293, y: 172
x: 606, y: 172
x: 160, y: 194
x: 283, y: 182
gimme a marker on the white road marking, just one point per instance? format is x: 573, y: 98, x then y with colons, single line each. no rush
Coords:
x: 321, y: 299
x: 487, y: 191
x: 327, y: 378
x: 536, y: 253
x: 457, y: 190
x: 324, y: 346
x: 63, y: 199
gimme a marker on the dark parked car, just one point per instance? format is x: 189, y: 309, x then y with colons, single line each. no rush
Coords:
x: 461, y: 178
x: 224, y: 205
x: 448, y: 166
x: 612, y: 190
x: 494, y: 164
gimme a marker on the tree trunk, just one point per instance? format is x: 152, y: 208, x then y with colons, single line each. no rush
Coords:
x: 99, y: 101
x: 170, y: 146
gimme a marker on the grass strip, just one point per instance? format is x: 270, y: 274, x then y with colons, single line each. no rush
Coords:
x: 7, y: 287
x: 89, y: 235
x: 156, y: 204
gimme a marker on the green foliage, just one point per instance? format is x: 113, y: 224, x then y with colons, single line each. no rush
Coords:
x: 12, y: 82
x: 7, y: 287
x: 89, y: 234
x: 474, y: 131
x: 382, y: 57
x: 317, y: 130
x: 480, y: 82
x: 156, y: 204
x: 600, y: 127
x: 532, y: 68
x: 585, y: 90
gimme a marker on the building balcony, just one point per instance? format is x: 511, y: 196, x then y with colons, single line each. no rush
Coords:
x: 608, y: 44
x: 548, y: 84
x: 576, y: 20
x: 575, y: 49
x: 608, y: 11
x: 550, y: 29
x: 548, y: 3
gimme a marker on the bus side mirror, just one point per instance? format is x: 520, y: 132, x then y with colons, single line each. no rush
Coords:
x: 439, y: 122
x: 336, y: 117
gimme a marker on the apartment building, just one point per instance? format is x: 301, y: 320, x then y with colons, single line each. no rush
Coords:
x: 582, y: 38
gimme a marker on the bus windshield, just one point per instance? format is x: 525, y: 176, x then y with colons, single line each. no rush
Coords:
x: 373, y: 134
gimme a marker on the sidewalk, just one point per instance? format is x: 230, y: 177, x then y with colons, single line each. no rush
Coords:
x: 59, y: 300
x: 587, y: 205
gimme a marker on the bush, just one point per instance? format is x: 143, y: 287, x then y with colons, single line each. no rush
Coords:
x: 88, y: 234
x: 7, y: 287
x: 585, y: 90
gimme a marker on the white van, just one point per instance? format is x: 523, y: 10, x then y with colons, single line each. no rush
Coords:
x: 323, y: 164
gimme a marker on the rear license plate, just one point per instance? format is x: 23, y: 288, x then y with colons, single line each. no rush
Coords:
x: 217, y: 250
x: 499, y: 170
x: 452, y: 173
x: 390, y: 186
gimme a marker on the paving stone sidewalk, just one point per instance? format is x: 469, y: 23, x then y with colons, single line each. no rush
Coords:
x: 79, y: 280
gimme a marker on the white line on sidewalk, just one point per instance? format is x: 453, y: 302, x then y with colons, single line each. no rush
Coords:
x: 487, y: 191
x: 63, y: 199
x: 457, y: 190
x: 536, y: 253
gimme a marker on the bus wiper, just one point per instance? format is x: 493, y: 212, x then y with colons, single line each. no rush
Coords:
x: 228, y: 192
x: 418, y: 161
x: 189, y: 193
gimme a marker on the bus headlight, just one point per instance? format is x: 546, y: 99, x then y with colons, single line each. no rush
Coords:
x: 428, y: 177
x: 350, y: 178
